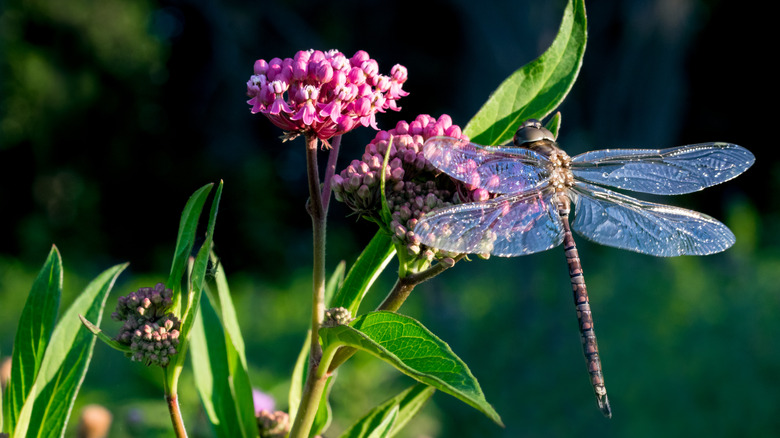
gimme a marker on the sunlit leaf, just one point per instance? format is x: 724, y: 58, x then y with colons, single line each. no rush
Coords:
x: 410, y: 347
x: 408, y: 403
x: 554, y: 124
x: 32, y: 335
x: 197, y: 277
x: 186, y: 238
x: 537, y: 88
x: 221, y: 384
x: 364, y: 272
x: 48, y: 407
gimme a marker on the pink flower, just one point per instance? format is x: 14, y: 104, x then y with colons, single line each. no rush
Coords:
x: 323, y: 92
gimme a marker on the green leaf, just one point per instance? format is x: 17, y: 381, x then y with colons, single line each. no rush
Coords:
x: 48, y: 407
x: 298, y: 378
x: 186, y: 239
x: 554, y: 124
x: 335, y: 281
x: 111, y: 342
x: 382, y: 430
x: 197, y: 277
x: 220, y: 376
x: 32, y: 335
x: 364, y: 272
x: 407, y: 404
x: 537, y: 88
x: 407, y: 345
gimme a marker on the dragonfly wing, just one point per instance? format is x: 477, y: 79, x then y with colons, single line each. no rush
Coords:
x: 671, y: 171
x: 505, y: 226
x: 497, y: 169
x: 613, y: 219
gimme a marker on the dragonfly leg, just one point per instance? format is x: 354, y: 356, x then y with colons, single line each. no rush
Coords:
x: 584, y: 316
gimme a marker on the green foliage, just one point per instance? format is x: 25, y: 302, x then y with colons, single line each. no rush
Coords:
x: 32, y: 335
x: 371, y: 262
x: 537, y: 88
x: 389, y: 417
x: 407, y: 345
x: 186, y: 240
x: 220, y: 376
x: 45, y: 383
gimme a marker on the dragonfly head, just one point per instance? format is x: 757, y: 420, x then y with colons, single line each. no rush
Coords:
x: 531, y: 131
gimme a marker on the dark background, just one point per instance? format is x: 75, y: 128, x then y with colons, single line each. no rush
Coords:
x: 112, y: 113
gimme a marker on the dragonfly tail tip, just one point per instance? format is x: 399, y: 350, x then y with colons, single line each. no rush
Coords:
x: 606, y: 409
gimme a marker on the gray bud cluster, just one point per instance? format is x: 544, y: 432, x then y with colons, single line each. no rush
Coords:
x: 336, y: 316
x: 149, y: 330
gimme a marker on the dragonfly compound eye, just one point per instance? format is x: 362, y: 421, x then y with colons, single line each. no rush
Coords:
x: 532, y: 131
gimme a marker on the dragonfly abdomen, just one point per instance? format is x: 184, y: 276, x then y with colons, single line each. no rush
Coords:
x: 590, y: 346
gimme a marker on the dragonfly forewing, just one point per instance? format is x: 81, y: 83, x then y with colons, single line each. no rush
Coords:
x: 672, y: 171
x: 614, y: 219
x: 496, y: 169
x: 507, y: 226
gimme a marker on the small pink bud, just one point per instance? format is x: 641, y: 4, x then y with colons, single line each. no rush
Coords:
x: 260, y: 67
x: 358, y: 58
x: 399, y: 73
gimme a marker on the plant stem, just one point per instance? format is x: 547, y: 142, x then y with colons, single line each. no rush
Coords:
x: 317, y: 212
x: 172, y: 399
x: 314, y: 386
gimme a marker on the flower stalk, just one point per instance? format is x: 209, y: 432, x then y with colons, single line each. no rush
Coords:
x: 315, y: 381
x: 172, y: 400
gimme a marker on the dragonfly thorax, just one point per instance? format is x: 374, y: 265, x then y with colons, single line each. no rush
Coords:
x: 560, y: 169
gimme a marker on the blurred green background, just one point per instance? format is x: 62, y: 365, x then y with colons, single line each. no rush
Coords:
x: 113, y: 112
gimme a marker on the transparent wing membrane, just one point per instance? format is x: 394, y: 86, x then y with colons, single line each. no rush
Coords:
x: 671, y: 171
x: 613, y: 219
x: 506, y: 226
x: 497, y: 169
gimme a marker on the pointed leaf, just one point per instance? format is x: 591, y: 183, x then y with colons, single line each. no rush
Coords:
x: 537, y: 88
x: 408, y: 404
x: 111, y: 342
x: 32, y: 335
x: 197, y: 277
x: 364, y: 272
x: 407, y: 345
x: 48, y: 407
x: 554, y: 124
x: 186, y: 237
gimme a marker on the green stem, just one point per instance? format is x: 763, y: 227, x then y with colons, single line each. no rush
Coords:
x: 317, y: 212
x: 315, y: 380
x: 172, y: 399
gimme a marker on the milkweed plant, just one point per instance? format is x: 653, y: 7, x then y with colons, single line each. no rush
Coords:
x: 318, y: 97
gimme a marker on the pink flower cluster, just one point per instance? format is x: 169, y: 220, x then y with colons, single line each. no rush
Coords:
x: 323, y: 92
x: 413, y: 186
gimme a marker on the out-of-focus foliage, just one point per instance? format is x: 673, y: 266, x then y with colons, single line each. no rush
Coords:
x: 113, y: 112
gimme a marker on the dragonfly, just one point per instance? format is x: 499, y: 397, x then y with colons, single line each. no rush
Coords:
x: 538, y: 183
